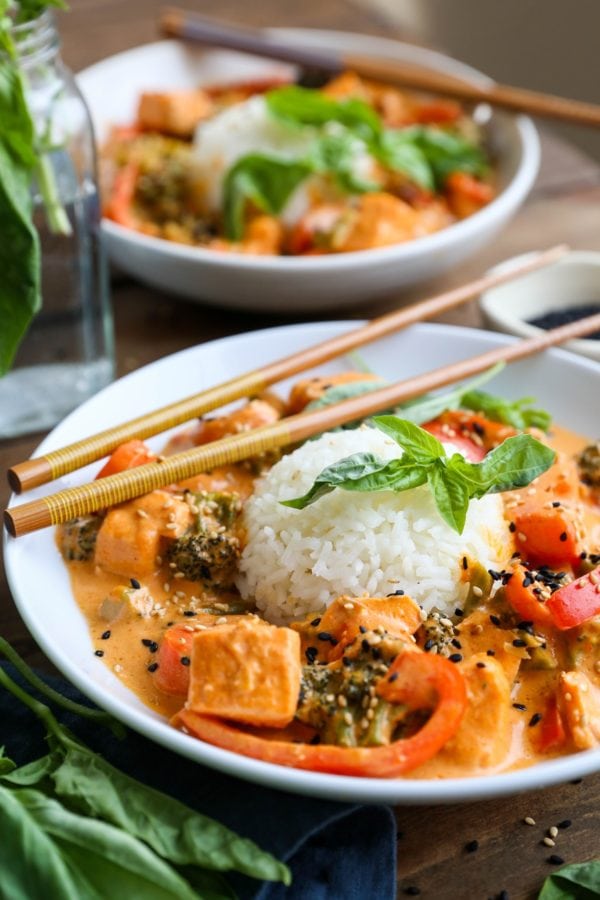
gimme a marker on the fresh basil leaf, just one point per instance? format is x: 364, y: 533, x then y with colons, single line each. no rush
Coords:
x: 451, y: 495
x: 448, y: 151
x: 351, y: 468
x: 398, y: 475
x: 580, y: 881
x: 30, y: 862
x: 512, y: 413
x: 337, y: 154
x: 339, y: 392
x: 33, y: 772
x: 93, y: 787
x: 305, y: 106
x: 513, y: 464
x: 20, y: 296
x: 398, y: 150
x: 430, y: 406
x: 266, y: 181
x: 111, y: 859
x: 418, y: 443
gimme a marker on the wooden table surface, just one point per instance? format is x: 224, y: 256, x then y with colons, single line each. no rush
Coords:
x: 564, y: 206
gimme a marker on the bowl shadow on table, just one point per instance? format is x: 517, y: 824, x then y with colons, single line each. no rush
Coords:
x: 488, y: 847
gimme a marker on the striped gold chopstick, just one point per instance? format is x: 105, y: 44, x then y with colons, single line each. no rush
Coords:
x: 34, y: 472
x: 89, y: 498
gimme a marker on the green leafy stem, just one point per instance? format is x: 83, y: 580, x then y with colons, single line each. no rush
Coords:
x: 453, y: 481
x: 73, y: 826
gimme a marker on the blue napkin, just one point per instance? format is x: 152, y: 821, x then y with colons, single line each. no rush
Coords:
x: 336, y: 851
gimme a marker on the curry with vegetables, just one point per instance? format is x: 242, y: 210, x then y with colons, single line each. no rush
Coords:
x: 375, y: 686
x: 271, y: 168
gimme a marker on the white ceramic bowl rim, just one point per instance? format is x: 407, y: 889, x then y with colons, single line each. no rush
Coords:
x: 517, y: 187
x: 406, y: 791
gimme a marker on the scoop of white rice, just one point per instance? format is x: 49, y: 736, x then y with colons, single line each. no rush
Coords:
x: 297, y: 561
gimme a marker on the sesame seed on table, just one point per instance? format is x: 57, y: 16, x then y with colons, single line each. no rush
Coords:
x: 496, y: 848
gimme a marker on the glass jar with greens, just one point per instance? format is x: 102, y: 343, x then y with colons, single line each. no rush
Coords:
x: 56, y: 343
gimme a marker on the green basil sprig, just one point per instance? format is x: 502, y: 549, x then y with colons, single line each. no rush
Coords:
x: 453, y: 481
x: 579, y: 881
x: 425, y: 154
x: 75, y: 826
x: 517, y: 413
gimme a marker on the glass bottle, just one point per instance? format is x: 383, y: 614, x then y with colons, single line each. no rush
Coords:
x: 67, y: 354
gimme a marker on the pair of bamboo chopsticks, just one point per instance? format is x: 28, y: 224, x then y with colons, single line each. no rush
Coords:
x: 185, y: 25
x: 88, y: 498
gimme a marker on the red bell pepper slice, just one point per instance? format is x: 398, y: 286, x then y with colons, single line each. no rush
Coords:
x: 417, y: 679
x: 575, y: 603
x: 551, y: 734
x: 520, y: 596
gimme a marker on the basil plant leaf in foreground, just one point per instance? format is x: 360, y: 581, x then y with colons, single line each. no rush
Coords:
x: 453, y: 481
x: 580, y: 881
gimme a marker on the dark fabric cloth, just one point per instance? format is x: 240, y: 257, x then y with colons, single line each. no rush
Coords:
x: 336, y: 851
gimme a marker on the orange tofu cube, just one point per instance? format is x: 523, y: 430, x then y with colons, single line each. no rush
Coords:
x: 247, y: 672
x: 131, y: 535
x: 176, y: 112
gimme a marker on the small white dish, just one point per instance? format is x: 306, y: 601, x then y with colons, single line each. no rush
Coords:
x: 302, y: 283
x: 572, y: 281
x: 565, y: 384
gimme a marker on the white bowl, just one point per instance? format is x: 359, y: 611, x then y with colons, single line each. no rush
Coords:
x: 572, y: 281
x: 295, y: 284
x: 566, y: 384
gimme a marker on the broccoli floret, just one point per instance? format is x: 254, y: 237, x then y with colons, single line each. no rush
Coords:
x: 588, y: 462
x: 77, y: 540
x: 211, y: 559
x: 216, y: 508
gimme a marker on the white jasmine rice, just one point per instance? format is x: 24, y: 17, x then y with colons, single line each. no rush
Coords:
x: 297, y: 561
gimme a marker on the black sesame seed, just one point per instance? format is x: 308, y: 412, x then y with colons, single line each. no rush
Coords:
x: 556, y: 503
x: 134, y: 584
x: 346, y: 662
x: 152, y: 667
x: 562, y: 536
x: 512, y: 527
x: 147, y: 642
x: 472, y: 846
x: 375, y: 652
x: 362, y: 629
x: 98, y: 652
x: 316, y: 622
x: 495, y: 621
x: 536, y: 717
x: 189, y: 613
x: 105, y: 635
x: 393, y: 676
x: 324, y: 636
x: 185, y: 660
x: 311, y: 654
x: 428, y: 645
x: 455, y: 657
x: 398, y: 593
x: 481, y: 665
x: 412, y: 890
x: 465, y: 563
x: 456, y: 643
x: 365, y: 645
x: 315, y: 739
x: 555, y: 860
x: 478, y: 429
x: 490, y: 652
x: 459, y: 612
x: 520, y: 706
x: 519, y: 642
x: 566, y: 823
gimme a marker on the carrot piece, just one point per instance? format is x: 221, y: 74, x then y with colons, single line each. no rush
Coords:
x: 172, y: 676
x: 520, y: 596
x: 575, y: 603
x: 127, y: 456
x: 466, y: 194
x: 438, y: 111
x: 246, y: 672
x: 421, y: 680
x: 546, y: 536
x: 119, y: 206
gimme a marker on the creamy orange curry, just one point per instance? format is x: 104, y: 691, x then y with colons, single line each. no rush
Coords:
x: 374, y: 685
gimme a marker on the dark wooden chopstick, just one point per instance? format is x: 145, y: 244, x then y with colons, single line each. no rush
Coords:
x: 189, y: 26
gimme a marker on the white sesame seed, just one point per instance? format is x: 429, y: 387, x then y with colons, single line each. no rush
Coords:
x: 222, y: 620
x: 348, y: 718
x: 477, y: 591
x: 188, y: 628
x: 171, y: 526
x: 529, y: 821
x: 549, y: 842
x: 370, y: 714
x: 178, y: 575
x: 522, y: 537
x: 166, y: 587
x: 142, y: 513
x: 341, y: 701
x: 348, y: 605
x: 553, y: 831
x: 118, y: 668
